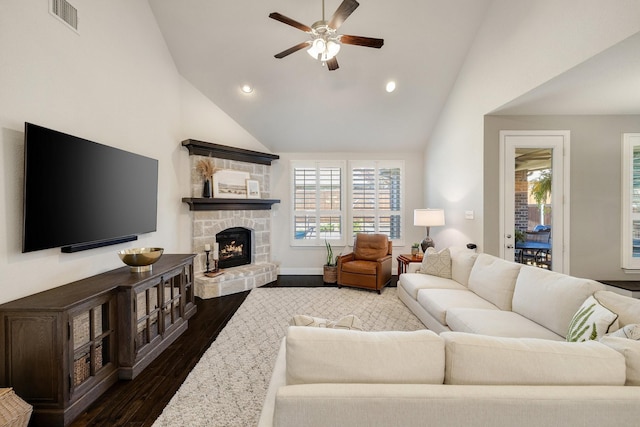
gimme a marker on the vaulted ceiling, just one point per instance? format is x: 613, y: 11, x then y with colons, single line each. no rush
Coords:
x: 298, y: 105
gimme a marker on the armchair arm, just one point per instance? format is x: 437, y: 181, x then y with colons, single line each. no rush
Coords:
x: 345, y: 258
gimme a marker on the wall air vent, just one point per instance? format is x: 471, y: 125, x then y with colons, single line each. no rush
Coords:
x: 63, y: 10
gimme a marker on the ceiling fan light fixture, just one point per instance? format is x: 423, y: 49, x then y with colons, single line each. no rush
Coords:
x: 323, y: 50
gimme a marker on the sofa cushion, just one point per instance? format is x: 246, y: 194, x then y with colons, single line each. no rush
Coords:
x: 350, y: 321
x: 479, y: 359
x: 437, y: 263
x: 494, y: 279
x: 360, y: 267
x: 498, y: 323
x: 592, y: 321
x: 627, y: 308
x: 319, y: 355
x: 549, y: 298
x: 438, y: 301
x: 630, y: 349
x: 370, y: 247
x: 462, y: 260
x: 413, y: 282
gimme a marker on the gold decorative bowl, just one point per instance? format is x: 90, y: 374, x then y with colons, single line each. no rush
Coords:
x: 140, y: 259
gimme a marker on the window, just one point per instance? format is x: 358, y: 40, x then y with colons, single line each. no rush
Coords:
x: 631, y: 201
x: 319, y: 192
x: 376, y: 198
x: 318, y: 203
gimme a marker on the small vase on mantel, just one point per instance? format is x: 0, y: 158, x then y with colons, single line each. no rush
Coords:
x: 206, y: 189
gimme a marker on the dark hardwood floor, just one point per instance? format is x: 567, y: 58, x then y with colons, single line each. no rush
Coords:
x: 137, y: 403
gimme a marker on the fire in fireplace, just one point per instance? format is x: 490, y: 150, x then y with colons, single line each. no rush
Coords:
x: 234, y: 247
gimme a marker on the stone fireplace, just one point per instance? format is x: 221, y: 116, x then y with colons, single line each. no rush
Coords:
x: 243, y: 233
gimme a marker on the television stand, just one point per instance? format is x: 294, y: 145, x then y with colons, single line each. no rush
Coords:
x: 64, y: 347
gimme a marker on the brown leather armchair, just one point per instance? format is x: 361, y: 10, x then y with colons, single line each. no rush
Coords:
x: 369, y: 265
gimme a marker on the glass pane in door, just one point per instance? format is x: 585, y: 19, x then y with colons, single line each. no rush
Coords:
x: 533, y: 206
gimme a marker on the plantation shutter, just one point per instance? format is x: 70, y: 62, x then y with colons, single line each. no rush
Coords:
x: 318, y: 203
x: 376, y: 189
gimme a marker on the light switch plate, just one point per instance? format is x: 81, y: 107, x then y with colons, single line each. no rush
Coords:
x: 468, y: 214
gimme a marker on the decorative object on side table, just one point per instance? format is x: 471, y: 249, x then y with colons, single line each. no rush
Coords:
x: 206, y: 169
x: 330, y: 269
x: 415, y: 249
x: 428, y: 218
x: 140, y: 259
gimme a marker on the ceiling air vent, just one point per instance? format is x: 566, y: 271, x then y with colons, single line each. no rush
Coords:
x: 65, y: 11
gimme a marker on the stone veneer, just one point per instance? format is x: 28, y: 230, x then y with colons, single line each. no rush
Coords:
x: 206, y: 224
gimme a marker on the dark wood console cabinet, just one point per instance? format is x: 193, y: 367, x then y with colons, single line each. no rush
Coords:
x: 62, y: 348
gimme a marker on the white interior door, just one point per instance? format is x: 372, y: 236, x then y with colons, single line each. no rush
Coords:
x: 527, y: 157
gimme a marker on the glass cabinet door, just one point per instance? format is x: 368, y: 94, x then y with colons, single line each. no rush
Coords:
x: 148, y: 310
x: 91, y: 341
x: 631, y: 201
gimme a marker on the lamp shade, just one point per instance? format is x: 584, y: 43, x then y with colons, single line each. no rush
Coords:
x: 428, y: 217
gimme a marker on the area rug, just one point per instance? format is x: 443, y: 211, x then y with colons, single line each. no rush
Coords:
x: 228, y: 385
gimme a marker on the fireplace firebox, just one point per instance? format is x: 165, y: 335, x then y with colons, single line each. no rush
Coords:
x: 234, y: 247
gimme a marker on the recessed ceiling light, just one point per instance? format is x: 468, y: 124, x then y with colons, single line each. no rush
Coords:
x: 391, y: 86
x: 246, y: 88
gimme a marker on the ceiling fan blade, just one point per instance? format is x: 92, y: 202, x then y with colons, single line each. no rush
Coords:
x: 341, y: 14
x: 279, y: 17
x: 292, y: 50
x: 332, y: 64
x: 362, y: 41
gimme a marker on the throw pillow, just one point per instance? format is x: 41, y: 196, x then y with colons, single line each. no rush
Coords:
x: 347, y: 322
x: 631, y: 332
x: 592, y: 321
x: 437, y: 263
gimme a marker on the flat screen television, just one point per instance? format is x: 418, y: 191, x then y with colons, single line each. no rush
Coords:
x: 79, y: 194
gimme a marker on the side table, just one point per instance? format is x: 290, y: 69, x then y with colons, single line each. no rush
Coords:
x: 405, y: 259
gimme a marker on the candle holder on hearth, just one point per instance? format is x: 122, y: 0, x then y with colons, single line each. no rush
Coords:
x: 207, y: 270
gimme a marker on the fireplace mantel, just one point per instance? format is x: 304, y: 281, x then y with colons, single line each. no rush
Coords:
x: 213, y: 204
x: 209, y: 149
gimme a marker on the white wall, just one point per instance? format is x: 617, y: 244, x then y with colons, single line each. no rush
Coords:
x: 115, y: 83
x: 521, y: 45
x: 309, y: 260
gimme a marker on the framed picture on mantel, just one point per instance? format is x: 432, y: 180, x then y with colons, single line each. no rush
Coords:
x: 253, y: 189
x: 230, y: 184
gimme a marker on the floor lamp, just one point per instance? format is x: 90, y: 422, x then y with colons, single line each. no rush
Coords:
x: 428, y: 218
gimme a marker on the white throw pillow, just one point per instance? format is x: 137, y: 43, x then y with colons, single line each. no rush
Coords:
x: 347, y: 322
x: 473, y: 359
x: 592, y: 321
x: 631, y: 332
x: 437, y: 263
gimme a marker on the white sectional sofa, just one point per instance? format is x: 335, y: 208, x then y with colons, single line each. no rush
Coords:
x: 488, y: 295
x: 500, y: 359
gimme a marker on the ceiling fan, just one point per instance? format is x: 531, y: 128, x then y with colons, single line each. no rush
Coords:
x: 325, y: 43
